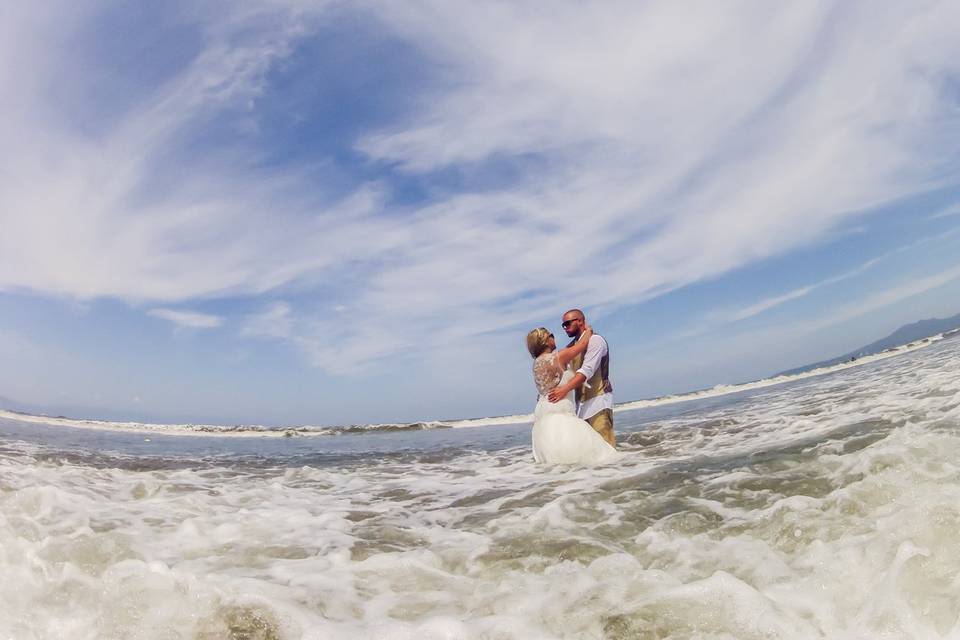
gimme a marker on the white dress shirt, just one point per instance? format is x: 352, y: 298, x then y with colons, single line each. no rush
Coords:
x: 596, y: 349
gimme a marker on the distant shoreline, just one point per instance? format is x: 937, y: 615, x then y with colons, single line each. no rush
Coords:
x: 260, y: 431
x: 783, y: 377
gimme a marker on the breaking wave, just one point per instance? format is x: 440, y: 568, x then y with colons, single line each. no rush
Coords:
x: 239, y: 431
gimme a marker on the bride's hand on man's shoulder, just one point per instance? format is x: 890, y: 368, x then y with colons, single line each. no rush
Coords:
x: 587, y: 330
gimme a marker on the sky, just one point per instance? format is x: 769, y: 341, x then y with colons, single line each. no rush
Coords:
x: 288, y: 212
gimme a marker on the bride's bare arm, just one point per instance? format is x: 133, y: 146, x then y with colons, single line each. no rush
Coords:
x: 560, y: 392
x: 564, y: 356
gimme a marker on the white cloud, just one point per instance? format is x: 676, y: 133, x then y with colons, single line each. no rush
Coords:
x: 951, y: 210
x: 879, y: 300
x: 772, y: 302
x: 276, y: 321
x: 775, y: 301
x: 127, y: 211
x: 677, y: 146
x: 187, y: 319
x: 651, y: 145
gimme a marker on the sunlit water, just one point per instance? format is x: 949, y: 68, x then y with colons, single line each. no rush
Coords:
x: 826, y: 508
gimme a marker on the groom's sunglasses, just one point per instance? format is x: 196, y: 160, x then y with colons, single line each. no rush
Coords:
x: 567, y: 323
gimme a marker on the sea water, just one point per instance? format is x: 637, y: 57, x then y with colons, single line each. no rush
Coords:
x: 828, y: 507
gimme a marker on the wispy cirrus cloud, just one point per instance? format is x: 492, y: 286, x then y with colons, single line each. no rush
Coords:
x: 879, y: 300
x: 134, y: 208
x: 187, y: 319
x: 772, y: 302
x: 593, y: 154
x: 275, y: 321
x: 946, y: 212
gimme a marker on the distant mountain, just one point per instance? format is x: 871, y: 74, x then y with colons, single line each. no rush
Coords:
x: 904, y: 335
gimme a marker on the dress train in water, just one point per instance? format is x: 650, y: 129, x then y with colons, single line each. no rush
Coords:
x: 560, y: 437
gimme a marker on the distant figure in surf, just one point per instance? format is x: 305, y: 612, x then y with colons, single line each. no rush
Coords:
x: 591, y: 382
x: 559, y: 436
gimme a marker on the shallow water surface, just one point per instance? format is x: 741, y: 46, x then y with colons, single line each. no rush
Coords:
x: 828, y: 508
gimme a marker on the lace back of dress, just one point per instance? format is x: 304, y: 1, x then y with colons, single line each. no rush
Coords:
x: 546, y: 372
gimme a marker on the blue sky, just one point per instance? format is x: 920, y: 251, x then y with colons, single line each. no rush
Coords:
x: 325, y: 213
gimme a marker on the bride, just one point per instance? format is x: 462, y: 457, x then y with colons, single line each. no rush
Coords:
x: 559, y: 436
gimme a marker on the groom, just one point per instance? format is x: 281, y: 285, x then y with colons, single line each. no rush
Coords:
x: 592, y: 381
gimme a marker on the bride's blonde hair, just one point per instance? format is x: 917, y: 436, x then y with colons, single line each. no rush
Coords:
x: 537, y: 341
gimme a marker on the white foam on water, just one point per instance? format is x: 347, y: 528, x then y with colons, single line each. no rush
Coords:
x: 826, y: 509
x: 725, y: 389
x: 205, y: 430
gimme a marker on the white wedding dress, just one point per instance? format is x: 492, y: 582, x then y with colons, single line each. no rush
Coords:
x: 559, y: 436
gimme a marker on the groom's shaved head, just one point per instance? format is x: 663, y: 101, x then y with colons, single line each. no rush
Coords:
x: 573, y: 322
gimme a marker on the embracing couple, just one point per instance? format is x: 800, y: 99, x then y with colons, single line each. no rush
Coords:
x: 573, y: 421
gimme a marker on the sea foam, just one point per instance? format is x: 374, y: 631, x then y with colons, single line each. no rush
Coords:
x: 823, y: 509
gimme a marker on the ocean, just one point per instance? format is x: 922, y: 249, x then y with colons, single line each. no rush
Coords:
x: 820, y: 506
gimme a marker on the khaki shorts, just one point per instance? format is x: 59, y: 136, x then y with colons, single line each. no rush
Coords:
x: 602, y: 423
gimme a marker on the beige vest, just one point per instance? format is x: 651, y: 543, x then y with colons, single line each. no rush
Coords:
x: 600, y: 382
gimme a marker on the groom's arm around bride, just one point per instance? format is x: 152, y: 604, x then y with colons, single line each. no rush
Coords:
x: 594, y: 393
